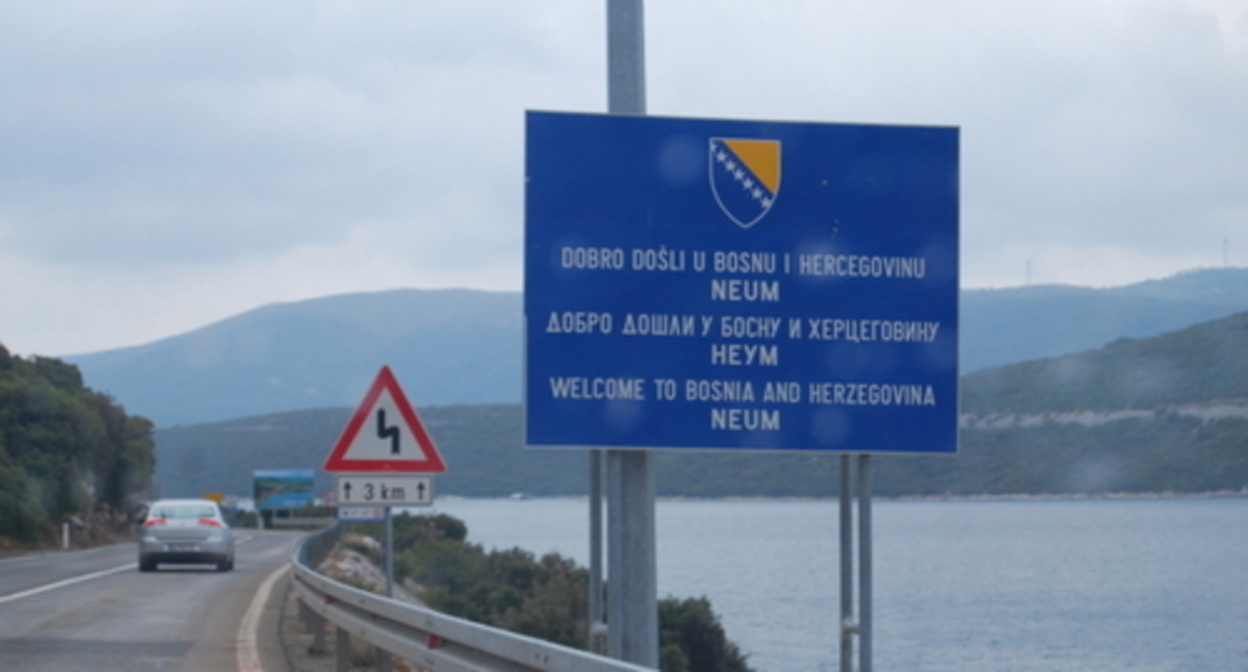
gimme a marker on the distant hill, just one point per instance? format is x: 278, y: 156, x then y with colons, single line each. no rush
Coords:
x: 453, y: 347
x: 1163, y: 414
x: 445, y: 346
x: 1004, y: 326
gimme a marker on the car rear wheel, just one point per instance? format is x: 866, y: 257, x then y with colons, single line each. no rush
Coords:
x: 225, y: 565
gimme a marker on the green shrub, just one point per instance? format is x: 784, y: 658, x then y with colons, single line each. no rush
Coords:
x: 544, y: 598
x: 691, y: 627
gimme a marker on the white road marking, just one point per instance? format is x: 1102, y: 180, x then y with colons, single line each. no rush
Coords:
x: 248, y: 628
x: 67, y: 582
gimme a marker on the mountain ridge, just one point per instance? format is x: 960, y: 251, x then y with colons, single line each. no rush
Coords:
x: 322, y: 352
x: 465, y: 346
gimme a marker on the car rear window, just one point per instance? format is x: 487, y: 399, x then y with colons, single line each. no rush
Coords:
x: 185, y: 511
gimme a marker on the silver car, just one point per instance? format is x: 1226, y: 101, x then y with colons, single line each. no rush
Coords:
x: 185, y: 531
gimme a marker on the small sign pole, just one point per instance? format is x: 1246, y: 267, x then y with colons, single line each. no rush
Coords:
x: 847, y: 625
x: 864, y: 563
x: 597, y: 615
x: 389, y: 552
x: 862, y: 625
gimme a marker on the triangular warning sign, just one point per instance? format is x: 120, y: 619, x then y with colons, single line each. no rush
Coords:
x: 385, y: 435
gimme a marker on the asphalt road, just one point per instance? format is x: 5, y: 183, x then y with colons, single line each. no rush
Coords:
x: 93, y: 610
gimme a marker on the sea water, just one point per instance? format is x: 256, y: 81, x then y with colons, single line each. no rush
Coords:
x: 961, y: 585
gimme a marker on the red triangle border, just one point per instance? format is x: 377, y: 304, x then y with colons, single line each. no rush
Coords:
x: 337, y: 462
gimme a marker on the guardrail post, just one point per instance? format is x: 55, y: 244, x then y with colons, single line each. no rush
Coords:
x: 342, y: 649
x: 382, y: 660
x: 315, y: 624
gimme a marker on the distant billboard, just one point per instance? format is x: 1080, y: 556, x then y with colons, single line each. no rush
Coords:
x: 284, y: 488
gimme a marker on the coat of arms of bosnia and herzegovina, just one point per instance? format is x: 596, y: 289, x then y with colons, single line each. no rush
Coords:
x: 745, y: 177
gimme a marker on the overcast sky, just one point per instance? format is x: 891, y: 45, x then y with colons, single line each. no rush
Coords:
x: 164, y: 165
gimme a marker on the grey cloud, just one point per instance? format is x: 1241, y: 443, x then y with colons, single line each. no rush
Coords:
x: 172, y: 134
x: 137, y: 132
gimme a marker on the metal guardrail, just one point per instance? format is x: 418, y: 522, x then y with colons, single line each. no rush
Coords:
x: 429, y: 639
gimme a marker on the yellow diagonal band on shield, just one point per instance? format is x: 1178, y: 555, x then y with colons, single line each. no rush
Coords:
x: 762, y: 157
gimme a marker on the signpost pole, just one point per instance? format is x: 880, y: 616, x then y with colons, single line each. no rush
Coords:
x: 626, y: 63
x: 384, y: 662
x: 633, y: 602
x: 864, y: 563
x: 862, y: 625
x: 389, y: 552
x: 597, y: 622
x: 847, y: 625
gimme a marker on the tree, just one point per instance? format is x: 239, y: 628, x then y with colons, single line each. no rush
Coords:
x: 691, y: 639
x: 64, y: 448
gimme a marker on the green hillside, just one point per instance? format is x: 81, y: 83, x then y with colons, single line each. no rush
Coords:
x: 66, y: 452
x: 1201, y: 364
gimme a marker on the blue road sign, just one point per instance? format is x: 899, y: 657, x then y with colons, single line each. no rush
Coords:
x: 711, y: 284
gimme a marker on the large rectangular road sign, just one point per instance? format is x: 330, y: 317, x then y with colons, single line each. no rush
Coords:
x: 718, y: 284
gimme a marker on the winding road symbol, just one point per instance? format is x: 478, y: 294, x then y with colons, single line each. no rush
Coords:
x: 398, y: 442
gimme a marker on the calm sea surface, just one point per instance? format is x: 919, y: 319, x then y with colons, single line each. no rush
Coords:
x: 962, y: 586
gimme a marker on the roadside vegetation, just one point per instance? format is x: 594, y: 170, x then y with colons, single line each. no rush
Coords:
x: 544, y: 597
x: 67, y: 454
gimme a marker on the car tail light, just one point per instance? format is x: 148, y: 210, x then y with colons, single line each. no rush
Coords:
x: 209, y: 521
x: 154, y: 521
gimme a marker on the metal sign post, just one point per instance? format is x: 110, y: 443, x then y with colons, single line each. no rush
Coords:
x: 861, y: 627
x: 597, y: 615
x: 849, y: 628
x: 865, y: 611
x: 633, y: 611
x: 389, y: 543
